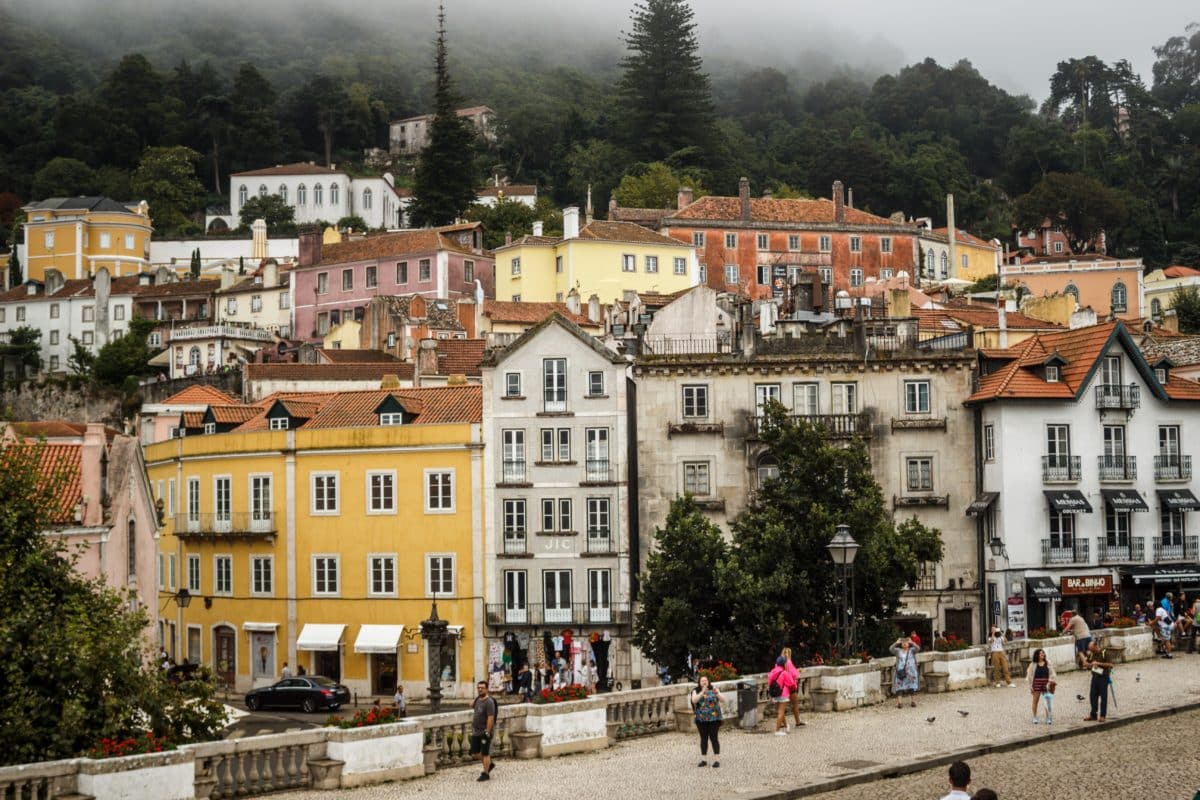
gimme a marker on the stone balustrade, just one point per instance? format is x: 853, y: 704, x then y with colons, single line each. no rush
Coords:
x: 333, y: 758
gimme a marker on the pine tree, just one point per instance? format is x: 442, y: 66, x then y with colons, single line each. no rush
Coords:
x: 445, y: 180
x: 195, y: 270
x: 665, y: 99
x: 14, y: 269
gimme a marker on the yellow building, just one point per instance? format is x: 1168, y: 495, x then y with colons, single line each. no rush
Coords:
x: 318, y: 529
x: 1160, y: 286
x: 602, y: 258
x: 79, y: 235
x: 976, y: 258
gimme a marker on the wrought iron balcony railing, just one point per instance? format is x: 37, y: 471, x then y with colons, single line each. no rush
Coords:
x: 1061, y: 469
x: 239, y: 523
x: 1186, y: 549
x: 1172, y: 468
x: 1117, y: 468
x: 1074, y: 551
x: 1131, y: 551
x: 1113, y: 395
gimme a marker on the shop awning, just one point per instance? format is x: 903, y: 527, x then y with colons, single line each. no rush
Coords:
x: 982, y: 503
x: 1167, y: 573
x: 1044, y: 589
x: 163, y: 359
x: 1124, y: 499
x: 378, y: 638
x: 455, y: 630
x: 1178, y: 500
x: 1069, y: 501
x: 320, y: 637
x: 265, y: 627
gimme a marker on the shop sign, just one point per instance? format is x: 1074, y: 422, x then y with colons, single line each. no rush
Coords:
x: 1087, y: 584
x: 1016, y: 615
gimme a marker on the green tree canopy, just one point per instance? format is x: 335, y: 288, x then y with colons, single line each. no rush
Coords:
x: 655, y: 186
x: 126, y: 356
x: 1186, y: 302
x: 1084, y: 206
x: 65, y: 177
x: 24, y: 344
x: 279, y: 215
x: 166, y: 178
x: 511, y: 216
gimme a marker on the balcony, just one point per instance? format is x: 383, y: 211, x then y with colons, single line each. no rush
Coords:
x: 512, y: 473
x: 1112, y: 395
x: 1172, y: 468
x: 243, y: 524
x: 1061, y: 469
x: 222, y: 331
x: 835, y: 426
x: 536, y: 614
x: 1186, y: 550
x: 597, y: 472
x: 1075, y: 552
x: 1132, y: 551
x: 1117, y: 468
x: 599, y: 543
x: 515, y: 543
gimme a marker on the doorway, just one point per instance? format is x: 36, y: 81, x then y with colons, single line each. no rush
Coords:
x: 225, y: 654
x: 958, y: 622
x: 262, y: 645
x: 329, y: 664
x: 383, y: 673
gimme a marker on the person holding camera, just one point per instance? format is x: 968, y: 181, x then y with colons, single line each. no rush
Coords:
x: 905, y: 680
x: 483, y: 723
x: 999, y: 658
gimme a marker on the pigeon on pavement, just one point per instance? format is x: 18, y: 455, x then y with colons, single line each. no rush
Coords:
x: 930, y: 719
x: 962, y: 713
x: 1079, y: 697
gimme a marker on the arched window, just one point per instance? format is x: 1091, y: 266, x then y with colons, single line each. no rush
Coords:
x: 1156, y: 308
x: 366, y: 199
x: 1120, y: 297
x: 318, y: 195
x: 194, y: 356
x: 242, y: 195
x: 1072, y: 290
x: 131, y: 547
x: 262, y: 190
x: 301, y: 195
x: 930, y: 264
x: 333, y: 194
x: 283, y: 192
x: 945, y: 264
x: 768, y: 468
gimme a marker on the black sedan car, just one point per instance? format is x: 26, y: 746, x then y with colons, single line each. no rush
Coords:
x: 307, y: 693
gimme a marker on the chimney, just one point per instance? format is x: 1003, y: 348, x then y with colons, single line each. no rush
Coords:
x: 901, y: 305
x: 839, y: 202
x: 53, y: 281
x: 850, y: 197
x: 537, y: 228
x: 1170, y: 320
x: 93, y: 473
x: 427, y: 361
x: 573, y: 301
x: 508, y: 237
x: 588, y: 208
x: 310, y: 246
x: 1002, y: 320
x: 228, y: 277
x: 594, y: 309
x: 571, y: 222
x: 258, y: 243
x: 685, y: 198
x: 952, y: 233
x: 744, y: 196
x: 612, y: 207
x: 270, y: 274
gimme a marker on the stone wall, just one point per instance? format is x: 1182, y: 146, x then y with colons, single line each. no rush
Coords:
x: 60, y: 399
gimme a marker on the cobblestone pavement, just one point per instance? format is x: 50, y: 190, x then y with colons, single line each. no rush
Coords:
x: 833, y: 745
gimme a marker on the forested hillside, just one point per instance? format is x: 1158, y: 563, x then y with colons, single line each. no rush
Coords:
x: 82, y: 98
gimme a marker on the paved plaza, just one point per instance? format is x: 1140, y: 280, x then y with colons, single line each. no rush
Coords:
x: 755, y: 764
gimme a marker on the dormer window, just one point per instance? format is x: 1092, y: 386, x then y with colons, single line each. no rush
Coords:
x: 391, y: 418
x: 210, y: 427
x: 278, y: 423
x: 1160, y: 374
x: 1162, y: 370
x: 1051, y: 373
x: 392, y: 412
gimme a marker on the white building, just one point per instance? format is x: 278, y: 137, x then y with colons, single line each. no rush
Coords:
x: 409, y: 136
x: 557, y: 493
x: 319, y: 194
x: 1077, y: 433
x: 262, y: 299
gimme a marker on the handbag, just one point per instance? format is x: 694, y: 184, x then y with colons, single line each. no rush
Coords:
x: 1050, y: 687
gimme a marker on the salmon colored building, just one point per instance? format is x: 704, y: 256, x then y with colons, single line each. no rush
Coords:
x: 1109, y: 286
x: 744, y: 242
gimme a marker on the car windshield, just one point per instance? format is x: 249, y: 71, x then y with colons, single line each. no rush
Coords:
x: 328, y: 684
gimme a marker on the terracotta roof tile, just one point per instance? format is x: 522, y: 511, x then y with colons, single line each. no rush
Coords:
x: 298, y: 168
x: 192, y: 419
x: 983, y: 317
x: 1181, y: 272
x: 523, y: 312
x: 1080, y: 347
x: 820, y: 211
x: 390, y: 245
x: 1184, y: 351
x: 233, y: 414
x: 328, y: 372
x: 460, y: 356
x: 963, y: 236
x: 334, y: 356
x: 200, y: 394
x: 605, y: 231
x: 433, y: 406
x: 62, y: 462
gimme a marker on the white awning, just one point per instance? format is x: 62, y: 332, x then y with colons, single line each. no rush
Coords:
x: 269, y: 627
x: 455, y: 630
x: 320, y: 637
x: 163, y: 359
x: 378, y: 638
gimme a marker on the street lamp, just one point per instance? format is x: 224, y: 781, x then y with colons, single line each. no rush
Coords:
x: 433, y: 631
x: 996, y: 545
x: 182, y: 598
x: 842, y: 549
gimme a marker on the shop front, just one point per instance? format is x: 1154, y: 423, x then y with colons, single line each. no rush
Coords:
x: 324, y: 644
x: 1086, y: 595
x: 379, y: 645
x: 1147, y: 584
x: 1043, y: 595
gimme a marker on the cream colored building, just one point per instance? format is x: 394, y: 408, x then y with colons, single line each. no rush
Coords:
x: 1160, y: 286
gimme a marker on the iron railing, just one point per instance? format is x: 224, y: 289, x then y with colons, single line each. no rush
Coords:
x: 1117, y: 468
x: 599, y: 541
x: 512, y: 472
x: 1113, y: 395
x: 1187, y: 549
x: 572, y: 614
x: 1061, y: 469
x: 239, y: 523
x: 1132, y: 550
x: 1172, y: 468
x: 835, y: 426
x: 1074, y: 552
x: 515, y: 543
x: 598, y: 470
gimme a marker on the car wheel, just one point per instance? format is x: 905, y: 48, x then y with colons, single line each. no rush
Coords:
x: 309, y: 705
x: 252, y: 703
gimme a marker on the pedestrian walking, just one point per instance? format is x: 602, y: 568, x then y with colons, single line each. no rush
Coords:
x: 1075, y: 625
x: 960, y: 779
x: 1043, y: 680
x: 1164, y: 617
x: 706, y: 705
x: 794, y: 699
x: 400, y: 702
x: 483, y: 723
x: 1000, y: 666
x: 1101, y: 668
x: 524, y: 683
x: 780, y: 686
x: 904, y: 677
x: 286, y: 672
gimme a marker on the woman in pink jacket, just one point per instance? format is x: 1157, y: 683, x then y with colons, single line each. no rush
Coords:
x: 787, y: 685
x: 786, y: 654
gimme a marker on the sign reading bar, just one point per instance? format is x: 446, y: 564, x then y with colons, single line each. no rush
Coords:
x: 1087, y: 584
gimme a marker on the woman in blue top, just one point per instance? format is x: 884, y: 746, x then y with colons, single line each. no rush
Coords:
x: 904, y: 678
x: 706, y: 704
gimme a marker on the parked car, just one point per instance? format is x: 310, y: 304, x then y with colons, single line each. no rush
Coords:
x: 307, y: 693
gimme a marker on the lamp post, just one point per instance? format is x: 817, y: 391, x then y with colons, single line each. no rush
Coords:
x: 842, y: 549
x: 433, y: 631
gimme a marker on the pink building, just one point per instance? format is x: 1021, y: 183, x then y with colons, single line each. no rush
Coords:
x: 108, y: 509
x: 1112, y: 287
x: 333, y: 283
x: 158, y: 422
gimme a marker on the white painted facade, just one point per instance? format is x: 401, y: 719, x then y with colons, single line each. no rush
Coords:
x: 322, y: 195
x: 214, y: 253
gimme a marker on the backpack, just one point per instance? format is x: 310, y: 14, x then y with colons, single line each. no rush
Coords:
x: 775, y: 688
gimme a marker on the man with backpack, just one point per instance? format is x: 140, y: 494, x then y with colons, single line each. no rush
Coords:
x: 780, y: 685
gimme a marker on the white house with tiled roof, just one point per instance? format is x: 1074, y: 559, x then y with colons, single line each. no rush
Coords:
x: 320, y: 194
x: 1084, y: 476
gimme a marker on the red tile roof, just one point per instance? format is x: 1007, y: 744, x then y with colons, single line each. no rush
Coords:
x: 523, y: 312
x: 433, y: 406
x: 329, y: 372
x: 460, y: 356
x: 61, y: 462
x: 988, y: 318
x: 963, y: 236
x: 298, y: 168
x: 192, y: 419
x: 337, y: 356
x: 1182, y: 389
x: 820, y: 211
x: 56, y: 429
x: 390, y: 245
x: 1180, y: 272
x: 233, y: 414
x: 200, y: 394
x: 606, y: 231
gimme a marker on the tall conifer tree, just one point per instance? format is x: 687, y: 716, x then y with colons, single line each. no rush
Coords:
x: 445, y: 178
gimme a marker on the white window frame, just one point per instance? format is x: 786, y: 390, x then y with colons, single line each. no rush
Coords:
x: 916, y: 402
x: 560, y: 611
x: 731, y: 241
x: 386, y: 562
x: 218, y: 560
x: 210, y: 428
x: 651, y: 264
x: 278, y: 423
x: 628, y: 262
x: 843, y: 397
x: 327, y: 510
x: 193, y: 573
x: 387, y: 504
x: 193, y: 501
x: 514, y: 517
x: 697, y: 238
x: 762, y: 241
x: 512, y: 384
x: 257, y: 589
x: 885, y: 244
x: 600, y: 595
x: 856, y: 276
x: 825, y: 243
x: 695, y: 395
x: 925, y: 481
x: 444, y: 559
x: 695, y: 467
x: 681, y: 266
x: 222, y: 506
x: 806, y: 398
x: 593, y: 376
x: 427, y: 484
x: 322, y: 561
x: 989, y: 442
x: 855, y: 244
x: 732, y: 274
x: 391, y: 418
